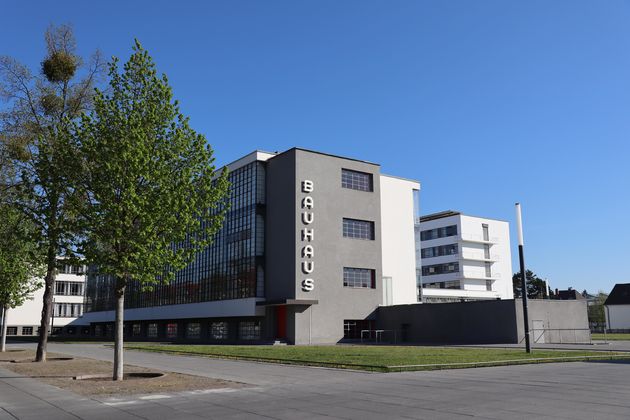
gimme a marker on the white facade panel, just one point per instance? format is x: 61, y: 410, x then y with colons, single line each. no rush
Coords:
x: 618, y: 317
x: 211, y: 309
x: 398, y: 242
x: 29, y: 313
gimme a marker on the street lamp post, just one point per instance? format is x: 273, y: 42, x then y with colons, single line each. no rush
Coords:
x: 519, y: 226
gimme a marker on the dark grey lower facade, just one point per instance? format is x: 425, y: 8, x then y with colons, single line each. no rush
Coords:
x: 485, y: 322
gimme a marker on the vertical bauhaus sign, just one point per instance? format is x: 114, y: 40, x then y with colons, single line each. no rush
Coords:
x: 307, y: 236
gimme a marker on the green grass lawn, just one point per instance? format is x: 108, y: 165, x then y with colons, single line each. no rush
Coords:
x: 612, y: 336
x: 376, y: 358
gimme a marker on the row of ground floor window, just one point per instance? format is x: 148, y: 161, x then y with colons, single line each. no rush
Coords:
x: 226, y: 330
x: 216, y: 330
x: 29, y: 330
x: 210, y: 330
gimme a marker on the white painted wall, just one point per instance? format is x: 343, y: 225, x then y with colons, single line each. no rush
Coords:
x: 398, y: 242
x: 500, y: 250
x: 458, y: 294
x: 29, y: 314
x: 617, y: 317
x: 218, y: 308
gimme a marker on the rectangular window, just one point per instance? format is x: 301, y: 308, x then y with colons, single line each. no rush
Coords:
x: 60, y: 288
x: 430, y: 270
x: 27, y: 330
x: 193, y: 330
x: 489, y: 285
x: 439, y: 251
x: 76, y: 289
x: 171, y: 330
x: 152, y: 330
x: 72, y: 269
x: 356, y: 180
x: 486, y: 234
x: 488, y: 269
x: 249, y: 330
x: 358, y: 229
x: 362, y: 278
x: 455, y: 284
x: 219, y: 330
x: 486, y: 251
x: 11, y: 330
x: 136, y: 330
x: 443, y: 232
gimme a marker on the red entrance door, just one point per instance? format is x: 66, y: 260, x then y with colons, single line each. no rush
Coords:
x: 281, y: 321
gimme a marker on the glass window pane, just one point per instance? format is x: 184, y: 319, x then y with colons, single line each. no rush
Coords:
x: 356, y: 180
x: 358, y: 229
x: 359, y: 278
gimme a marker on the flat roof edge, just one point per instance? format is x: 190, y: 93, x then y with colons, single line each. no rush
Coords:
x: 402, y: 178
x: 326, y: 154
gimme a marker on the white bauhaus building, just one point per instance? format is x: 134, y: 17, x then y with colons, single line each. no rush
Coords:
x: 68, y: 305
x: 463, y: 258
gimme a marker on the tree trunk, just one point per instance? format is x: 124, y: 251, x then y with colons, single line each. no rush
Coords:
x: 3, y: 339
x: 118, y: 334
x: 49, y: 283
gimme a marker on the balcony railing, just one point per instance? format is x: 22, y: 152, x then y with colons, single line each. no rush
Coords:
x: 471, y: 237
x: 457, y: 275
x: 481, y: 275
x: 479, y: 256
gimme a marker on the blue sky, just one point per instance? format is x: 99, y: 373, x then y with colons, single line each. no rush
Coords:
x: 485, y: 102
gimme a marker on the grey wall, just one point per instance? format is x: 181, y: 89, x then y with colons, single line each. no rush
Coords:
x: 323, y: 322
x: 482, y: 322
x: 485, y: 322
x: 333, y: 251
x: 564, y: 321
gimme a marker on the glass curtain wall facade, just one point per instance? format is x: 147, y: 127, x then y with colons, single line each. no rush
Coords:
x: 232, y: 267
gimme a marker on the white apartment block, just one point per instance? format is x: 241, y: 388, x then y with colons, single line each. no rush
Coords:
x: 461, y: 258
x: 68, y: 305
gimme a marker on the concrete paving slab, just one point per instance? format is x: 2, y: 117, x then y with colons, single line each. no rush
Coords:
x: 576, y: 390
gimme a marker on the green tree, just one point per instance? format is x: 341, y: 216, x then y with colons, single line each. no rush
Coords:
x: 535, y: 285
x: 153, y: 197
x: 20, y: 262
x: 34, y: 127
x: 596, y: 315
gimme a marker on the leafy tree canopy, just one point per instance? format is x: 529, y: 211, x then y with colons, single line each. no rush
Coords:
x: 535, y: 285
x: 34, y: 129
x: 21, y: 267
x: 151, y: 197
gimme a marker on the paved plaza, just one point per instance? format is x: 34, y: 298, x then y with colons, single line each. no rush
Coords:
x: 595, y: 390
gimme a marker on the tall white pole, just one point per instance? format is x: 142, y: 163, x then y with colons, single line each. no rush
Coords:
x: 519, y: 227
